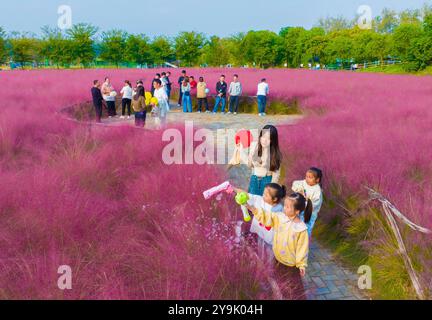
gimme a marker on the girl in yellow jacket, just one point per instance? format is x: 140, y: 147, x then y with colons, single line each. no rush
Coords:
x: 290, y: 241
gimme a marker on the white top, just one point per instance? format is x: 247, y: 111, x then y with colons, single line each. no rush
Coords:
x: 105, y: 89
x: 313, y: 193
x: 127, y: 92
x: 161, y: 94
x: 261, y: 231
x: 263, y: 89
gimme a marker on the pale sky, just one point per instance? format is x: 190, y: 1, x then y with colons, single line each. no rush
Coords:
x: 168, y: 17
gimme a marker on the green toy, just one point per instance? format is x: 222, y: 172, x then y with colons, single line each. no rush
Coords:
x: 242, y: 198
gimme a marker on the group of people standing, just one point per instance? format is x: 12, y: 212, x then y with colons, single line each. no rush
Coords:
x: 157, y: 103
x: 161, y: 88
x: 188, y: 86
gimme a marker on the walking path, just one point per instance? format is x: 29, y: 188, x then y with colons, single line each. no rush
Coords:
x: 327, y: 278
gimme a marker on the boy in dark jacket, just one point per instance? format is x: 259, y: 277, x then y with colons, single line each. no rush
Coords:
x: 97, y: 99
x: 221, y: 90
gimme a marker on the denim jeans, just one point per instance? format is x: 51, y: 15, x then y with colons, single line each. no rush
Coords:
x: 262, y: 101
x: 234, y: 103
x: 187, y: 103
x: 257, y: 185
x: 221, y: 100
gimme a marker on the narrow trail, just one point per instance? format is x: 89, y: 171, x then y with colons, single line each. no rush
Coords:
x: 327, y: 278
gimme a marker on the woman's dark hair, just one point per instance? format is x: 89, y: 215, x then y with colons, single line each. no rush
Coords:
x: 279, y: 191
x: 163, y: 73
x: 140, y: 92
x: 275, y: 154
x: 318, y: 174
x: 303, y: 205
x: 201, y: 79
x: 95, y: 82
x: 157, y: 81
x: 128, y: 83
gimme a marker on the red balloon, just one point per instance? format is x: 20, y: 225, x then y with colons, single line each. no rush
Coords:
x: 244, y: 137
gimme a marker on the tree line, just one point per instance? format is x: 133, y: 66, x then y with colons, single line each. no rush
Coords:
x: 406, y: 36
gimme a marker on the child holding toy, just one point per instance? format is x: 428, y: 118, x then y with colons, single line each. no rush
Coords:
x: 265, y: 161
x: 291, y: 240
x: 311, y: 189
x: 270, y: 202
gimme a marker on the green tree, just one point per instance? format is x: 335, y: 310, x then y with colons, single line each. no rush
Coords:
x: 403, y: 37
x: 419, y: 55
x: 3, y: 49
x: 188, y: 47
x: 25, y: 49
x: 82, y: 36
x: 387, y: 21
x: 263, y: 48
x: 138, y: 49
x: 161, y: 51
x: 55, y: 47
x: 331, y: 24
x: 113, y: 46
x: 291, y: 36
x: 216, y: 52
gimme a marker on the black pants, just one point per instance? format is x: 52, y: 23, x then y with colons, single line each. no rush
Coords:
x: 234, y: 103
x: 98, y: 111
x: 200, y: 103
x: 180, y: 101
x: 290, y: 282
x: 140, y: 118
x: 126, y: 103
x: 111, y: 108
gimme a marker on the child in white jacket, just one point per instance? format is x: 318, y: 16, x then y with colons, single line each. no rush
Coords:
x: 311, y: 189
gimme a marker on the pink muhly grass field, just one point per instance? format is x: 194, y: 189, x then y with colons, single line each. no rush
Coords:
x: 70, y: 196
x: 102, y: 201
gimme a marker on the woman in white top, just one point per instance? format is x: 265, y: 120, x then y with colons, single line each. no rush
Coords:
x: 127, y: 93
x: 109, y: 96
x: 161, y: 95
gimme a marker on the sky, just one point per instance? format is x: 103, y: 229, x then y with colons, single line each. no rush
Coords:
x: 168, y: 17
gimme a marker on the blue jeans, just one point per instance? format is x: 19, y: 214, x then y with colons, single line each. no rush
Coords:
x: 262, y: 101
x: 257, y: 185
x: 187, y: 103
x: 221, y: 100
x: 234, y: 103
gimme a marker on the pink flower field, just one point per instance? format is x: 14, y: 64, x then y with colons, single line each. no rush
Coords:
x: 100, y: 199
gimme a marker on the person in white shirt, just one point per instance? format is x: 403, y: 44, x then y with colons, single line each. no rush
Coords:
x: 161, y: 95
x: 311, y: 189
x: 127, y: 93
x: 235, y: 91
x: 271, y: 201
x: 109, y: 96
x: 263, y: 91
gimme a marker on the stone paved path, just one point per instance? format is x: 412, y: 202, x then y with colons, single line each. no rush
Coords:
x: 327, y: 278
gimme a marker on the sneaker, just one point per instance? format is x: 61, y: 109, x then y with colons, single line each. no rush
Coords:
x: 208, y: 111
x: 235, y: 113
x: 122, y: 117
x: 260, y: 114
x: 214, y: 112
x: 199, y: 112
x: 179, y: 105
x: 110, y: 117
x: 129, y: 117
x: 229, y: 112
x: 263, y: 114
